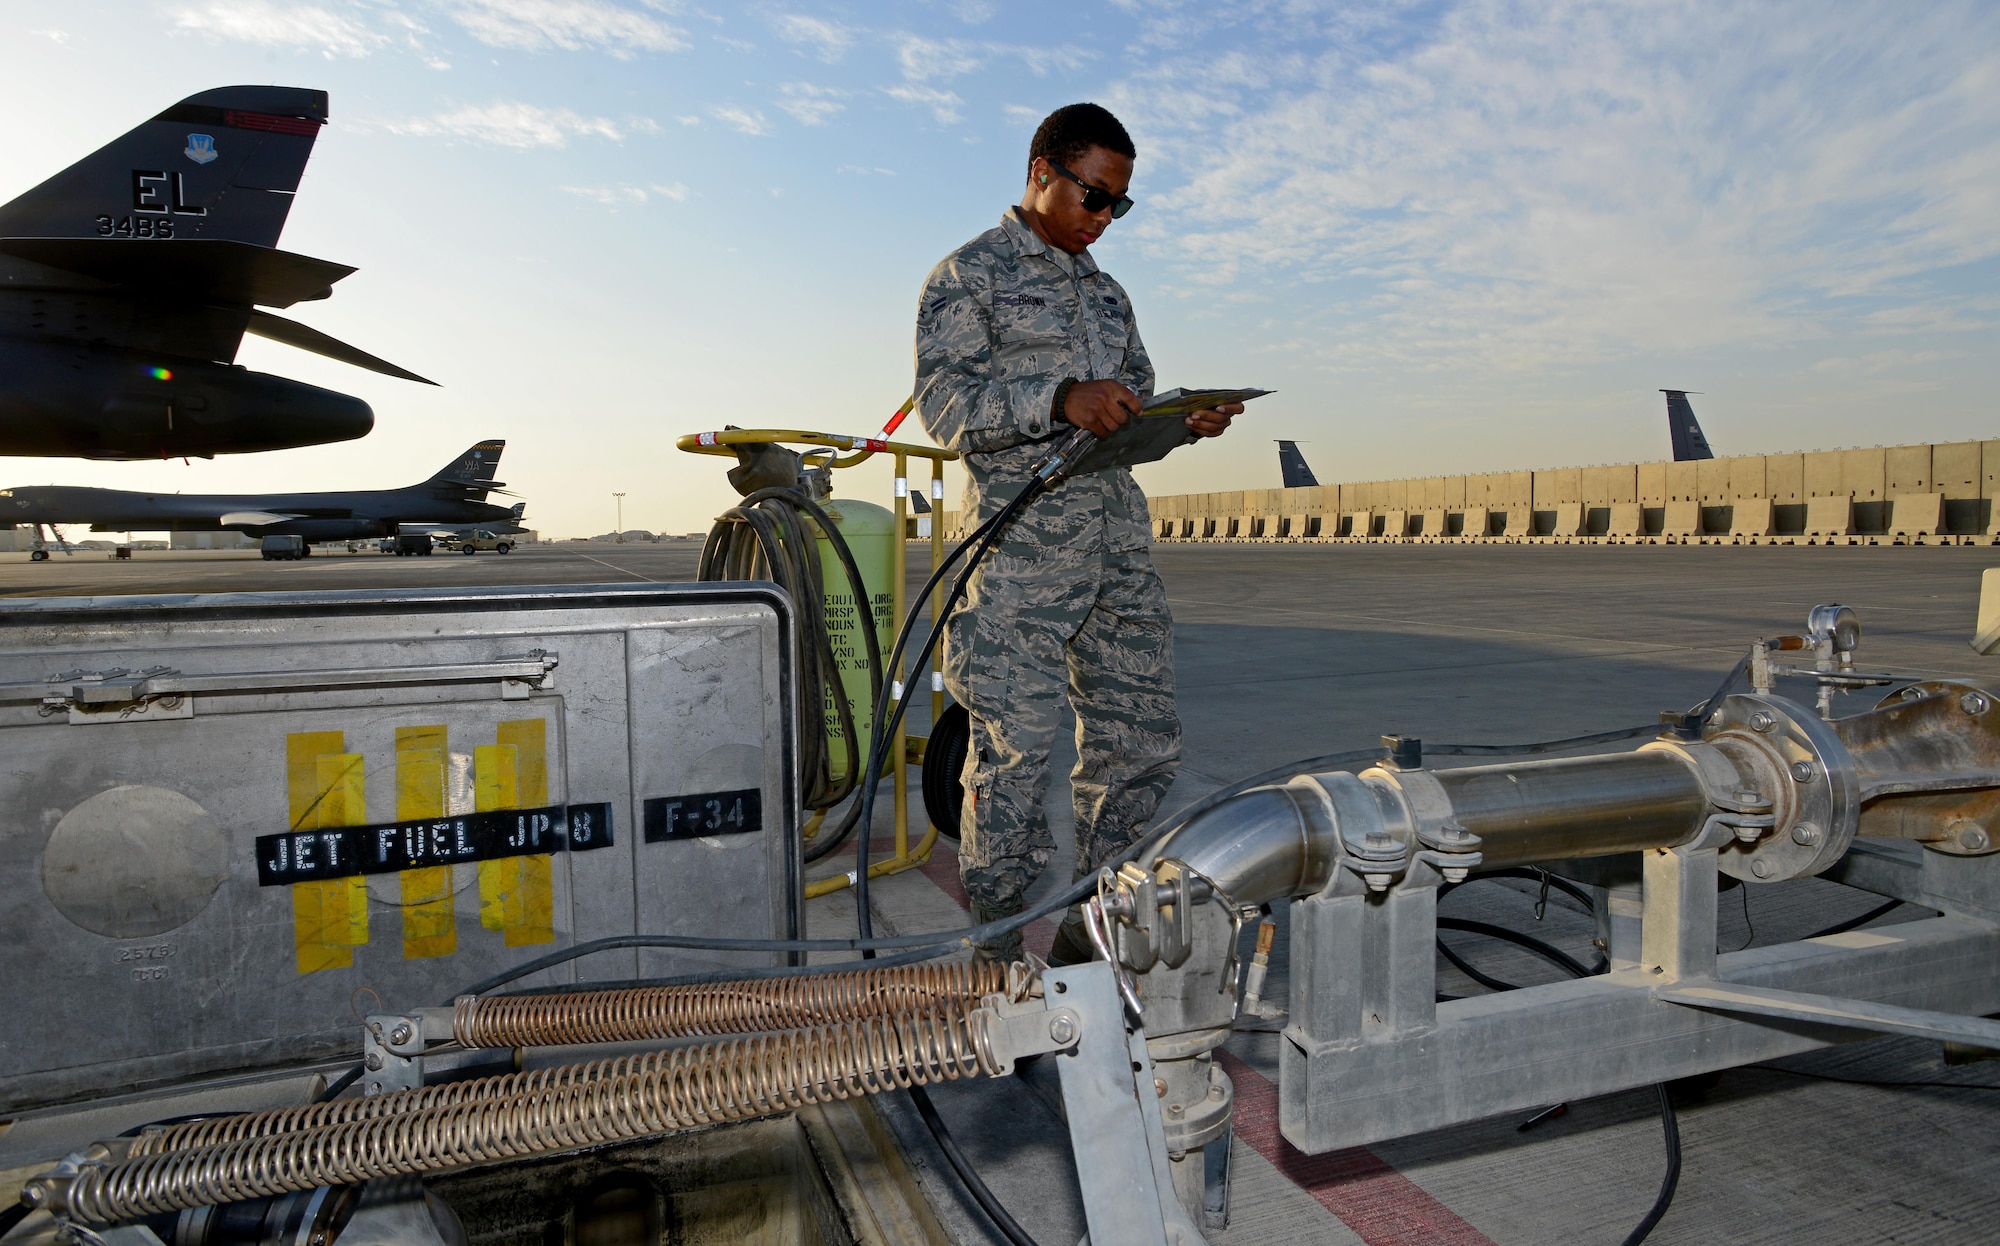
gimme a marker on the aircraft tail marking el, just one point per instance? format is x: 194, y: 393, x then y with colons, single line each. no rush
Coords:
x: 223, y: 164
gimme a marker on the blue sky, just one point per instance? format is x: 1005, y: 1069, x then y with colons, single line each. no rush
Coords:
x: 1455, y: 236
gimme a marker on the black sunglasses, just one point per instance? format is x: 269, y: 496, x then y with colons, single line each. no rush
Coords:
x: 1096, y: 199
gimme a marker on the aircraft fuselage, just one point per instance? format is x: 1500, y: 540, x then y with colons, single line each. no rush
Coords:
x: 355, y: 515
x: 70, y: 400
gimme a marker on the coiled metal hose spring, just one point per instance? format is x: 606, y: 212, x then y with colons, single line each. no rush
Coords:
x: 617, y: 1016
x: 601, y: 1102
x: 727, y: 1008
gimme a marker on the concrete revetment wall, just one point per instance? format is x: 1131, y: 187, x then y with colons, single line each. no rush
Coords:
x: 1921, y: 494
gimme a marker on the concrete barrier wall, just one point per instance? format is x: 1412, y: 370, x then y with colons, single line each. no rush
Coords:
x: 1948, y: 494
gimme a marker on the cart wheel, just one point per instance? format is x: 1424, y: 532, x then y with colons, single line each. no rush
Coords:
x: 944, y: 761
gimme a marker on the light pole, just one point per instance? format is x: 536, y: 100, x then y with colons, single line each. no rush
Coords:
x: 618, y: 534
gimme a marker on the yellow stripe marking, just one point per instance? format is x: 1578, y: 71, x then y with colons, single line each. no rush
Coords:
x: 529, y: 737
x: 495, y: 786
x: 323, y: 912
x: 429, y: 925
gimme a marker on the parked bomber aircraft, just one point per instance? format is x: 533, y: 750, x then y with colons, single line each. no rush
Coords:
x: 128, y: 280
x: 1292, y: 464
x: 1682, y: 430
x: 454, y: 498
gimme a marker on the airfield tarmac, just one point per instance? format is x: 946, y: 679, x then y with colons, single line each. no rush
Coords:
x: 1289, y: 651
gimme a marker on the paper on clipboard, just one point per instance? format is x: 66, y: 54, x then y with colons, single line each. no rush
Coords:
x: 1160, y: 429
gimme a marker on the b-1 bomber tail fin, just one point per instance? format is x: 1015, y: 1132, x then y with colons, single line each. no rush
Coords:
x: 220, y: 165
x: 475, y: 468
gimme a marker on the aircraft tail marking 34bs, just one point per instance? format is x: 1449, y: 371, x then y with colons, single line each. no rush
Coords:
x: 128, y: 280
x: 453, y: 497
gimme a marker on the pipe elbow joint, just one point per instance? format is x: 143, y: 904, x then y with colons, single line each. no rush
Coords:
x: 1269, y: 843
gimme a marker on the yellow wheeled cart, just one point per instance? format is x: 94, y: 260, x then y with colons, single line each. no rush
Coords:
x: 842, y: 451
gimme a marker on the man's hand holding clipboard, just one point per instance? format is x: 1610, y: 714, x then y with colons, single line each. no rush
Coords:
x: 1130, y: 432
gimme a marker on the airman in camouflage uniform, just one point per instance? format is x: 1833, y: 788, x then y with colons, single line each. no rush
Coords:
x: 1067, y: 600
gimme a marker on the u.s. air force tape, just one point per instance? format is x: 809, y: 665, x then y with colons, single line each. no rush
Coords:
x: 388, y: 847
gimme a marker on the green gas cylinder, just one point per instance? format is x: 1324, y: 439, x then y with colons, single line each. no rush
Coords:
x: 870, y: 533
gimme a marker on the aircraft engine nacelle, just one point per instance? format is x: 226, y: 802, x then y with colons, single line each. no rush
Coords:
x: 99, y: 403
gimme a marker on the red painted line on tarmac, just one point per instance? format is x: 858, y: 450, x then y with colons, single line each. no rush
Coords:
x: 1381, y: 1205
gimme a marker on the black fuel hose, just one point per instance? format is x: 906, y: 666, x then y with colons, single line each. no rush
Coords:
x: 770, y: 532
x: 1530, y: 874
x: 1670, y: 1129
x: 884, y: 732
x: 932, y: 944
x: 1852, y: 922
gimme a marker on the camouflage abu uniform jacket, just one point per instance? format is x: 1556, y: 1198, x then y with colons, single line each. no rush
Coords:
x: 1003, y: 320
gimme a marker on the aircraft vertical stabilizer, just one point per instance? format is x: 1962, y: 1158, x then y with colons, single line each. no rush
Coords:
x: 1293, y: 465
x: 475, y: 467
x: 1688, y: 439
x: 223, y: 164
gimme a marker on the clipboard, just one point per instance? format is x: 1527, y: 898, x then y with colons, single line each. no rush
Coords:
x: 1160, y: 429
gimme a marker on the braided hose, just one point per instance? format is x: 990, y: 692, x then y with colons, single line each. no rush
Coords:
x: 604, y: 1101
x: 728, y: 1008
x: 615, y: 1016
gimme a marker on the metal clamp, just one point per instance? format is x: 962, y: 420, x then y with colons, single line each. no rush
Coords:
x: 1098, y: 927
x: 392, y: 1052
x: 1009, y: 1030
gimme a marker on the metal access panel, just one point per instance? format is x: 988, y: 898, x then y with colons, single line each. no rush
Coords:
x: 226, y: 820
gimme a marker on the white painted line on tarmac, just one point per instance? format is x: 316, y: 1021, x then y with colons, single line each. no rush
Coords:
x: 615, y: 567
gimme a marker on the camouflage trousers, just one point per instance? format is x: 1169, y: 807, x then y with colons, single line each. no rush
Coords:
x: 1036, y: 626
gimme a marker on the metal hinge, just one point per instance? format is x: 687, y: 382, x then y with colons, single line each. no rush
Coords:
x: 119, y: 694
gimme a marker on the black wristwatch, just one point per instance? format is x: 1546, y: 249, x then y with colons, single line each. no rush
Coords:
x: 1062, y: 397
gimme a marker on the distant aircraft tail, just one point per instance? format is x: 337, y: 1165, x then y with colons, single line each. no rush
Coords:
x: 220, y: 165
x: 1293, y: 465
x: 1689, y: 441
x: 475, y: 467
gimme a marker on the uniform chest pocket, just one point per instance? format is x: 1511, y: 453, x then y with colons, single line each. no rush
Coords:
x: 1031, y: 336
x: 1029, y: 318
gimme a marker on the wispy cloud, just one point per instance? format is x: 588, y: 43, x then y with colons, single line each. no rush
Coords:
x: 615, y: 197
x: 1531, y: 188
x: 307, y: 27
x: 946, y: 106
x: 747, y: 120
x: 514, y: 124
x: 829, y: 40
x: 809, y: 104
x: 565, y: 25
x: 923, y: 59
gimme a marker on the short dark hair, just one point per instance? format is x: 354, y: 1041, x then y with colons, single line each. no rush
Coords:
x: 1073, y: 129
